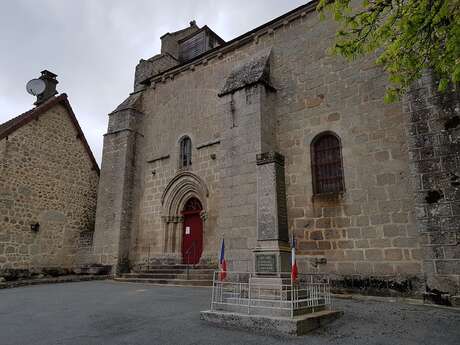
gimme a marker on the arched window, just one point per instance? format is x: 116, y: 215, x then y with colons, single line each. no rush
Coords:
x: 185, y: 159
x: 327, y: 168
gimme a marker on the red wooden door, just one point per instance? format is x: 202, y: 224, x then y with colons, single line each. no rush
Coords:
x: 192, y: 232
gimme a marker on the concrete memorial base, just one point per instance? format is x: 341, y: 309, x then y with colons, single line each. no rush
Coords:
x: 295, y: 326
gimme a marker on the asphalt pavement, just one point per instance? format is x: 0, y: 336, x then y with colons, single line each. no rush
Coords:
x: 106, y: 312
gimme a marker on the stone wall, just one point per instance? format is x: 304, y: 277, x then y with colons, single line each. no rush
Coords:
x: 367, y: 231
x: 117, y: 189
x: 434, y: 144
x: 46, y: 177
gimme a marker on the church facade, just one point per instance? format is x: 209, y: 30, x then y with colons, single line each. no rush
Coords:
x: 220, y: 138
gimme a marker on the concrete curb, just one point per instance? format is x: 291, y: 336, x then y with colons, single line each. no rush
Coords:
x: 402, y: 300
x: 56, y: 280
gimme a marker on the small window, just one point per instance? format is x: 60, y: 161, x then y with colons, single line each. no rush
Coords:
x: 185, y: 159
x: 327, y: 168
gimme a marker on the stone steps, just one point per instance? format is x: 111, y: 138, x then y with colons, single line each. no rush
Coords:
x: 148, y: 268
x: 182, y: 275
x: 172, y: 282
x: 175, y: 275
x: 174, y: 271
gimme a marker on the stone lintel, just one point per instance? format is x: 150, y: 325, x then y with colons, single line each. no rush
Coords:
x: 270, y: 157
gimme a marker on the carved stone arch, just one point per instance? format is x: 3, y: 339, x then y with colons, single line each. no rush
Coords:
x: 181, y: 188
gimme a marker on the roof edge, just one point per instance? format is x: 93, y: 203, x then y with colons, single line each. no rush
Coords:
x: 34, y: 113
x: 308, y: 7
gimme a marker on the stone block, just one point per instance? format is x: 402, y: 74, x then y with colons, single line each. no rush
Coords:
x: 362, y: 221
x: 346, y: 268
x: 378, y: 219
x: 323, y: 223
x: 330, y: 234
x: 324, y: 245
x: 393, y: 254
x: 354, y: 255
x: 392, y: 230
x: 448, y: 267
x: 386, y: 179
x: 404, y: 242
x: 345, y: 244
x: 382, y: 156
x: 362, y: 244
x: 383, y: 269
x: 316, y: 235
x: 408, y: 268
x: 341, y: 222
x: 353, y: 233
x: 352, y: 209
x: 307, y: 245
x: 373, y: 254
x: 364, y: 268
x: 380, y: 243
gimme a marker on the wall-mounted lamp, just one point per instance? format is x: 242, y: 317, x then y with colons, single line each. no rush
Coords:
x: 35, y: 227
x: 154, y: 172
x: 213, y: 156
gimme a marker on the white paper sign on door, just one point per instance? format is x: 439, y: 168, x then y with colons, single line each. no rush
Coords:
x: 187, y: 230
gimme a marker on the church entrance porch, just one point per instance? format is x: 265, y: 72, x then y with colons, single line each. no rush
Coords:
x: 192, y: 233
x: 184, y: 215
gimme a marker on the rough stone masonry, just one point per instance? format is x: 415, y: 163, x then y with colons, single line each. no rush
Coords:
x: 48, y: 184
x: 370, y: 188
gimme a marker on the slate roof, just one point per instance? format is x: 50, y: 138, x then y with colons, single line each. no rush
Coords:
x: 132, y: 102
x: 255, y: 69
x: 17, y: 122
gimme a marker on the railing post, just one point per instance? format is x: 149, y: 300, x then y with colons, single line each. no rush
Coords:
x: 249, y: 294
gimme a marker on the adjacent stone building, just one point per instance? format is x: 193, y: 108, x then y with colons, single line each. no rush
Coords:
x: 48, y: 184
x: 224, y: 139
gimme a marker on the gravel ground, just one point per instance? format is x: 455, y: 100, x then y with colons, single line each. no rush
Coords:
x: 106, y: 312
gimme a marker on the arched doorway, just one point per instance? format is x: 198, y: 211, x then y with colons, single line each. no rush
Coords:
x: 192, y: 232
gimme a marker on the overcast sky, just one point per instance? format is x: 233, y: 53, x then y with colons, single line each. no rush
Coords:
x: 94, y: 46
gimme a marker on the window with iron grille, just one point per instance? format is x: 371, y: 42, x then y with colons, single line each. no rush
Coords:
x: 185, y: 159
x: 327, y: 168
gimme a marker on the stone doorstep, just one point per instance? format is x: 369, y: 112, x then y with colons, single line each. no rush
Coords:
x: 53, y: 280
x: 295, y: 326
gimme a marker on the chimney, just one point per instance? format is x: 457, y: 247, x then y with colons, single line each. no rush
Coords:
x: 50, y: 86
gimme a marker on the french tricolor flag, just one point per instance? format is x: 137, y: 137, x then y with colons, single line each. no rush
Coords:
x: 294, y: 272
x: 222, y: 263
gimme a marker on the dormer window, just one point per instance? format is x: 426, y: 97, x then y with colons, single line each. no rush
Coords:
x: 185, y: 157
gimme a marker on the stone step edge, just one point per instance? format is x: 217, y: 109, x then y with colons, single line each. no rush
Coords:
x: 174, y: 271
x: 161, y: 267
x: 162, y: 279
x: 163, y: 285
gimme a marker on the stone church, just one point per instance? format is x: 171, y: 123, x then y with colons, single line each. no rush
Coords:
x: 48, y: 185
x: 268, y: 131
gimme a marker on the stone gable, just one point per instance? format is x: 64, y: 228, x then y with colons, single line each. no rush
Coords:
x: 47, y: 178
